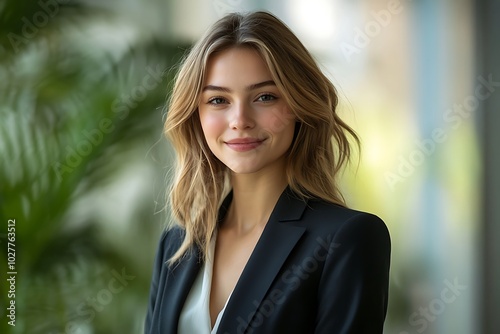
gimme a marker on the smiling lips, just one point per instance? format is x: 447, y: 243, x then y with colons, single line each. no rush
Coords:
x: 244, y: 144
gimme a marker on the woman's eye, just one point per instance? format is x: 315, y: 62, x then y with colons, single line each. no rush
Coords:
x: 266, y: 98
x: 217, y: 100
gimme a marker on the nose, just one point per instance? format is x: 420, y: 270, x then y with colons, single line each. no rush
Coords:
x: 241, y: 117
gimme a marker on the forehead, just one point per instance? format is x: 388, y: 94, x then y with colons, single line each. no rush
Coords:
x: 237, y: 64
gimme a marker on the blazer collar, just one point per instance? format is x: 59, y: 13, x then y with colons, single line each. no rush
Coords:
x: 274, y: 245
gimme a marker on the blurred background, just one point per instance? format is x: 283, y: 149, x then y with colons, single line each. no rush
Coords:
x: 83, y: 163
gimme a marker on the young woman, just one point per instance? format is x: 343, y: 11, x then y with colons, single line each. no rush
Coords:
x: 262, y: 240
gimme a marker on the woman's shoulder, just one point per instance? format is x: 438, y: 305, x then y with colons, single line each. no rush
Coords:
x: 171, y: 240
x: 326, y: 217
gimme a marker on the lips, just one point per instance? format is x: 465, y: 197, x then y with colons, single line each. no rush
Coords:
x: 244, y: 144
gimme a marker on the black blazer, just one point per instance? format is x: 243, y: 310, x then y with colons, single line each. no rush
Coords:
x: 317, y: 268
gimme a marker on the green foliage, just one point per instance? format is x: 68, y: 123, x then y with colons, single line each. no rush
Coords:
x: 75, y: 117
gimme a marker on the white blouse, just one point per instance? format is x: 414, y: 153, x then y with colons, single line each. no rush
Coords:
x: 195, y: 314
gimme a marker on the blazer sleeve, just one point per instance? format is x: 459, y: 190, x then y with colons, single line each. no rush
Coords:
x: 353, y: 290
x: 153, y: 290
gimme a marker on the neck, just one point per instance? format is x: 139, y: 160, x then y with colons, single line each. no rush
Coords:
x: 254, y: 198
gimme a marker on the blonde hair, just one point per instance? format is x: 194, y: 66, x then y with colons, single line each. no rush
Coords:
x: 319, y: 150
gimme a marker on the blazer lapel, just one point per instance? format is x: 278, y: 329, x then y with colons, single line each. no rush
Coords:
x: 178, y: 284
x: 275, y: 244
x: 179, y: 281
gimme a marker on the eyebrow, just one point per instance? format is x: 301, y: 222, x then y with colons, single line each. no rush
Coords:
x: 251, y: 87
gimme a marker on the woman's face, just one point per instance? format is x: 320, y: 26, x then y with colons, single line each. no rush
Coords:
x: 244, y: 117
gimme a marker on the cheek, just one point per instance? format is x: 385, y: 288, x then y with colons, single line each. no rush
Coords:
x: 279, y: 120
x: 213, y: 125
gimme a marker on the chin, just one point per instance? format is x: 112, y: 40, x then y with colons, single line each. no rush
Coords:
x: 243, y: 169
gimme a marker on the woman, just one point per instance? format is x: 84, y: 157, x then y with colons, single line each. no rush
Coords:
x: 262, y: 241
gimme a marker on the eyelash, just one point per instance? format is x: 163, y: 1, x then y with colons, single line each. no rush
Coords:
x: 274, y: 97
x: 211, y: 100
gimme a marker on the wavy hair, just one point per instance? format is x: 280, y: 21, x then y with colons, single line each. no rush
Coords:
x: 320, y: 148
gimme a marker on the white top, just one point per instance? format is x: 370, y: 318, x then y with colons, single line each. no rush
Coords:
x: 195, y: 315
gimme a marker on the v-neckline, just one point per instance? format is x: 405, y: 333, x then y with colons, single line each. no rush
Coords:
x: 208, y: 273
